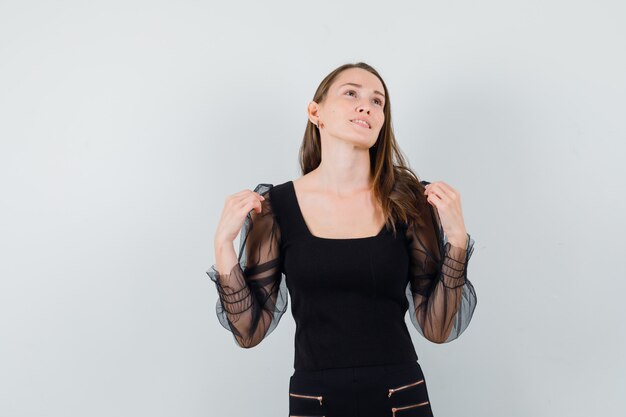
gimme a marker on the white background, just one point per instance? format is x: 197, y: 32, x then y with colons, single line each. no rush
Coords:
x: 125, y: 124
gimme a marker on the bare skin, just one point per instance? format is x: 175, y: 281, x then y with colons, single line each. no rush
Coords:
x: 331, y: 216
x: 336, y: 198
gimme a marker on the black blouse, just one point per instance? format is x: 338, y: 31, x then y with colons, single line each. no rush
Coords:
x: 349, y: 296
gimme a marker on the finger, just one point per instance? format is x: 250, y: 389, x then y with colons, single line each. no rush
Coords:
x: 240, y: 203
x: 247, y: 203
x: 437, y: 190
x: 245, y: 192
x: 244, y: 195
x: 256, y: 203
x: 449, y: 194
x: 433, y: 199
x: 239, y: 199
x: 239, y: 194
x: 448, y: 189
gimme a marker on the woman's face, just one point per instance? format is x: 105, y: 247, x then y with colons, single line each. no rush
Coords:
x: 356, y: 94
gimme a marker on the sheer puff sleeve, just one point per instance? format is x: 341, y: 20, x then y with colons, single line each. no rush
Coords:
x: 441, y: 298
x: 252, y: 297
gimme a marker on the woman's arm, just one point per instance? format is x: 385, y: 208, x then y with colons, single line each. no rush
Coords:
x: 252, y: 294
x: 442, y: 299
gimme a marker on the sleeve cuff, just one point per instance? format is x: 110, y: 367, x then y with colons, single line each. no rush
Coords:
x: 454, y: 263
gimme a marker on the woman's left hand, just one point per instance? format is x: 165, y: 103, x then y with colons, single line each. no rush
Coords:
x: 447, y: 201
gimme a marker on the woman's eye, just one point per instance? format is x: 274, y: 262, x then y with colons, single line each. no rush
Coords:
x: 380, y: 103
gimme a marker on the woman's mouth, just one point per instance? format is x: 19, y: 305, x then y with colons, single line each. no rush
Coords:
x: 361, y: 123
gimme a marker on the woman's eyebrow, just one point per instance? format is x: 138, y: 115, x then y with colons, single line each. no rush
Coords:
x: 359, y: 85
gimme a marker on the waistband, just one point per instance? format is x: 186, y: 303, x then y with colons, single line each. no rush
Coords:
x: 356, y: 372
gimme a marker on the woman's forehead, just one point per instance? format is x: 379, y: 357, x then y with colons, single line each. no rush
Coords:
x: 358, y: 76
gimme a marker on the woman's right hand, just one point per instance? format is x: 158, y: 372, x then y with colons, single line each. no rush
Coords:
x: 236, y: 208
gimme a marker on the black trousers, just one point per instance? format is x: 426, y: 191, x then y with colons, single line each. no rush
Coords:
x: 371, y: 391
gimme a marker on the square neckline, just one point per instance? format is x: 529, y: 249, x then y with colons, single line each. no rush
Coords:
x: 311, y: 235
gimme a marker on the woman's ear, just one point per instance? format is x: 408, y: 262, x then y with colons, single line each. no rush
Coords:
x: 313, y: 112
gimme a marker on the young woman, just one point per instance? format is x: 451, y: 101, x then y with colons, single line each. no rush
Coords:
x: 356, y: 242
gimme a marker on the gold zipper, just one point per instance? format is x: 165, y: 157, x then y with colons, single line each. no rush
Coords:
x: 394, y: 409
x: 315, y: 397
x: 392, y: 390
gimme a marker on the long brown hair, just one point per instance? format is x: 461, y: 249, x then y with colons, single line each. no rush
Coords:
x: 396, y: 186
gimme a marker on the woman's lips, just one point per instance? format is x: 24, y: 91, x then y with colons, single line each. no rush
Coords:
x: 362, y: 124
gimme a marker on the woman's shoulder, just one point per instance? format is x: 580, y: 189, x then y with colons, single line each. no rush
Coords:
x: 275, y: 195
x: 265, y: 187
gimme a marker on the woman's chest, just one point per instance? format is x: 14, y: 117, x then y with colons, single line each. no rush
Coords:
x: 378, y: 266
